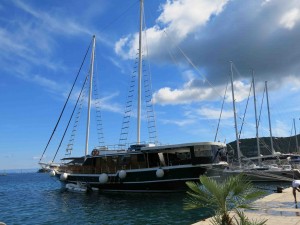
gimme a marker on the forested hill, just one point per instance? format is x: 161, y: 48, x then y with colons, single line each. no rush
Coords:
x: 281, y: 144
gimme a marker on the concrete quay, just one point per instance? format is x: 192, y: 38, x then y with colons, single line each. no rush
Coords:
x: 277, y: 208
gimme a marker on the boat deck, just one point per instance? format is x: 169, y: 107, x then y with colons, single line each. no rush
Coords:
x: 277, y: 208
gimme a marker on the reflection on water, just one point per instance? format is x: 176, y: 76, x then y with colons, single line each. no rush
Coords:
x: 271, y: 187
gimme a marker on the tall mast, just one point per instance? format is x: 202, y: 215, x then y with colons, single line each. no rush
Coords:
x: 269, y: 116
x: 256, y: 121
x: 90, y: 98
x: 140, y: 74
x: 297, y: 147
x: 234, y: 113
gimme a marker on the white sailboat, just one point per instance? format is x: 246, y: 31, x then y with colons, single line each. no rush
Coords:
x: 269, y: 171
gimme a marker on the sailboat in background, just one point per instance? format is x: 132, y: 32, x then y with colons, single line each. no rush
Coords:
x: 140, y: 167
x: 268, y: 170
x: 3, y: 173
x: 295, y: 158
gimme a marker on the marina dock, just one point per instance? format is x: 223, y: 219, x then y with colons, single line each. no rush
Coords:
x: 277, y: 208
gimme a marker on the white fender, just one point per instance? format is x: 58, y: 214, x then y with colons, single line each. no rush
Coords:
x: 122, y: 174
x: 63, y: 176
x: 52, y: 173
x: 103, y: 178
x: 160, y: 173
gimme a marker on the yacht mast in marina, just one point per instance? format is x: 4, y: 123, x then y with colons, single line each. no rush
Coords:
x: 90, y: 98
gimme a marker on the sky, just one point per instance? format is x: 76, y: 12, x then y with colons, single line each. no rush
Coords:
x: 188, y: 46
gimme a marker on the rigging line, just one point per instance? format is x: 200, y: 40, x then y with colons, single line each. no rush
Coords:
x: 128, y: 108
x: 262, y: 101
x: 290, y: 137
x: 150, y: 79
x: 262, y: 141
x: 70, y: 118
x: 221, y: 111
x: 243, y: 121
x: 237, y: 71
x: 98, y: 105
x: 194, y: 66
x: 171, y: 54
x: 74, y: 131
x: 66, y: 102
x: 119, y: 17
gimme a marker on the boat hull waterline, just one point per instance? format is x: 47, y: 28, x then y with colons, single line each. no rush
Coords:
x: 145, y: 180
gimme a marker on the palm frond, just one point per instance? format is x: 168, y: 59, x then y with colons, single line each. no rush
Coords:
x: 243, y: 220
x: 254, y: 194
x: 211, y: 186
x: 197, y: 197
x: 193, y: 186
x: 234, y: 193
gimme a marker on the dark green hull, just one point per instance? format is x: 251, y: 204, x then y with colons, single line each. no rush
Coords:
x: 144, y: 180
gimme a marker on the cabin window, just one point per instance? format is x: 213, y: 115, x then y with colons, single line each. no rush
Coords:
x: 153, y: 160
x: 202, y: 153
x: 178, y: 158
x: 183, y: 155
x: 98, y: 162
x: 124, y: 160
x: 140, y: 158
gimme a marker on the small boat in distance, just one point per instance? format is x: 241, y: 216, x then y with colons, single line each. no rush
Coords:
x: 139, y: 167
x: 3, y: 173
x: 80, y: 187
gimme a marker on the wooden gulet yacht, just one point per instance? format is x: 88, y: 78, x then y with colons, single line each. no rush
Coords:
x: 141, y: 167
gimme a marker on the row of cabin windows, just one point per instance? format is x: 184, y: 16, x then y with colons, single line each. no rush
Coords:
x: 152, y: 159
x: 137, y: 161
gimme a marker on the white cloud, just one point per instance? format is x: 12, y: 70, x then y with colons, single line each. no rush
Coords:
x: 54, y: 23
x: 241, y: 91
x: 211, y: 33
x: 290, y: 18
x: 212, y: 113
x: 194, y: 90
x: 173, y: 21
x: 120, y: 45
x: 49, y: 84
x: 117, y: 63
x: 9, y: 45
x: 293, y: 82
x: 106, y: 104
x: 180, y: 123
x: 179, y: 23
x: 166, y: 96
x: 280, y: 129
x: 30, y: 39
x: 265, y: 2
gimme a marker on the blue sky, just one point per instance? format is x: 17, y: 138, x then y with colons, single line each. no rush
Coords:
x: 189, y: 46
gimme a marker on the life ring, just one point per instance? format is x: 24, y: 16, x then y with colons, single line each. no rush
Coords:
x: 95, y: 152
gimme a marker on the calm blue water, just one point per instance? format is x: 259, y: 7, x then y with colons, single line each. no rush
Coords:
x: 35, y: 198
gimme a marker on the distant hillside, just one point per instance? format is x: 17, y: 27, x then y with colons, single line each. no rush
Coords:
x: 249, y: 146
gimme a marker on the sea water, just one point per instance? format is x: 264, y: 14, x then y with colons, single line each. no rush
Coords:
x: 36, y: 198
